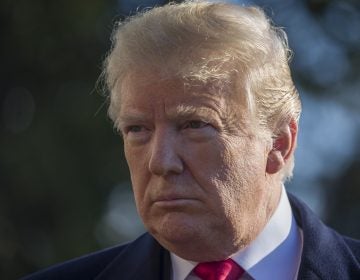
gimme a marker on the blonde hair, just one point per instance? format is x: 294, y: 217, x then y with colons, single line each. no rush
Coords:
x: 211, y: 43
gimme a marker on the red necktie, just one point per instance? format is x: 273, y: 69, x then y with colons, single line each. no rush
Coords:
x: 222, y: 270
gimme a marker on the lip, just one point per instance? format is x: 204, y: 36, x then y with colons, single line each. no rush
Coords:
x: 173, y: 201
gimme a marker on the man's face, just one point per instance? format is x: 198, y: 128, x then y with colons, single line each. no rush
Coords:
x: 197, y: 170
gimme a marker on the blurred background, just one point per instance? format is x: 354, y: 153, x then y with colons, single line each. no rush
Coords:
x: 64, y: 184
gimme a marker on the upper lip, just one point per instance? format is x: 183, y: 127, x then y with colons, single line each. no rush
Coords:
x: 169, y: 197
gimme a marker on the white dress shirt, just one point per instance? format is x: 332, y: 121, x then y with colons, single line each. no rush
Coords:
x: 274, y: 254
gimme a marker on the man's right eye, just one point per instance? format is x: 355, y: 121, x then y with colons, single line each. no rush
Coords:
x: 135, y: 134
x: 134, y: 129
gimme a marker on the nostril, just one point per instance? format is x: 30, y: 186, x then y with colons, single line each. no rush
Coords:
x: 163, y: 165
x: 164, y: 161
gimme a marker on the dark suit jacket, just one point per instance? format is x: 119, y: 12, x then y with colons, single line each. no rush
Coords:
x: 326, y: 255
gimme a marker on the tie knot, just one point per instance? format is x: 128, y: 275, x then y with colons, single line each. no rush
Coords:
x: 222, y: 270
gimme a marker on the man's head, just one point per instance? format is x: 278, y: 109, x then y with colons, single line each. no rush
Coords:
x: 203, y: 96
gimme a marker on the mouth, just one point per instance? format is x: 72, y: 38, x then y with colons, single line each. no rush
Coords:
x: 172, y: 201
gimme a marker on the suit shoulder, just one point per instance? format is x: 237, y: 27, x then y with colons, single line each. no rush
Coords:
x: 326, y: 253
x: 354, y: 246
x: 84, y: 267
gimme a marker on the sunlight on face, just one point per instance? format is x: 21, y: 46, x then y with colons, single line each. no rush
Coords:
x: 196, y: 173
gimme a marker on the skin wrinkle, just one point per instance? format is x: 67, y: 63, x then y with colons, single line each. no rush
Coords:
x: 223, y: 192
x: 234, y: 122
x: 193, y: 95
x: 212, y: 86
x: 205, y: 27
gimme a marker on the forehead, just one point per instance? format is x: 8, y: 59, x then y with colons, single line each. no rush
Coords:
x: 152, y: 85
x: 145, y: 97
x: 152, y: 96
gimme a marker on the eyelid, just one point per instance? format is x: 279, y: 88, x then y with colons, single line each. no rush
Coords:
x: 136, y: 134
x: 138, y: 128
x: 201, y: 123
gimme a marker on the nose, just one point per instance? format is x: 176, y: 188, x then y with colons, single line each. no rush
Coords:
x: 164, y: 158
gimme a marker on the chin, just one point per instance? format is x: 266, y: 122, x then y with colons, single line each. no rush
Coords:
x: 175, y: 227
x: 191, y: 239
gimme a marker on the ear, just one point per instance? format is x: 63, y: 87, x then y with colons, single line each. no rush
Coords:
x: 283, y: 147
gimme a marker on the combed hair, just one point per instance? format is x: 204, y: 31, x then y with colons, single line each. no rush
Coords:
x: 223, y: 45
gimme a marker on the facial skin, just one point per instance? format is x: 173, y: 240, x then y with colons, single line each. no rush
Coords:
x: 198, y: 171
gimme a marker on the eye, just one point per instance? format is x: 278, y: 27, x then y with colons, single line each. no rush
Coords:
x: 134, y: 128
x: 136, y: 134
x: 195, y: 124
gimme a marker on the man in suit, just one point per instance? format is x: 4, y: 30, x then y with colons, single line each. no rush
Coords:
x: 203, y: 97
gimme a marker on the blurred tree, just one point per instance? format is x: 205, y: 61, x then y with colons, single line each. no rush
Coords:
x: 59, y: 156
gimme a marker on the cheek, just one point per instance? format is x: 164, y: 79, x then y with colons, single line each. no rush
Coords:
x: 137, y: 165
x: 206, y: 156
x: 139, y: 187
x: 212, y: 167
x: 136, y: 158
x: 242, y: 169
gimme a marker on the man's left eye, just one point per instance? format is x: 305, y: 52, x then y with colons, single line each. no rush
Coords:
x: 196, y: 124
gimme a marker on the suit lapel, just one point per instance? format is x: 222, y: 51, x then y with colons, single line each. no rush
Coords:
x: 142, y: 259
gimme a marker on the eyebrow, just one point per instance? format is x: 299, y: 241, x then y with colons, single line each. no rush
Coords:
x: 185, y: 111
x: 132, y: 117
x: 179, y: 112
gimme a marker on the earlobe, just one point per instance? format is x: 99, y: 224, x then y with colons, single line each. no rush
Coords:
x: 283, y: 147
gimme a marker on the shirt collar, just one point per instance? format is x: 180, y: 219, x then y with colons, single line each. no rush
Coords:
x: 181, y: 268
x: 279, y: 243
